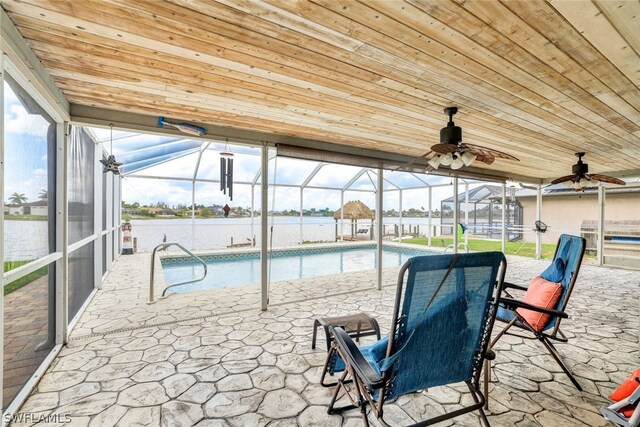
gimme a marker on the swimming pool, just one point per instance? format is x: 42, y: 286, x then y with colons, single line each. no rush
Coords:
x: 242, y: 268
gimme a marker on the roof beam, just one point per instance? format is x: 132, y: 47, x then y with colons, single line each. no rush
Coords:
x: 102, y: 117
x: 312, y: 174
x: 354, y: 179
x: 184, y: 153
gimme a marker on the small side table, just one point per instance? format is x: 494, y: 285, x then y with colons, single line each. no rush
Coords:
x: 356, y: 325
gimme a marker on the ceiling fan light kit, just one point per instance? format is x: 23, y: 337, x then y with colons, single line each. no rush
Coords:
x: 446, y: 160
x: 434, y: 162
x: 457, y: 162
x: 452, y: 152
x: 468, y: 158
x: 581, y: 178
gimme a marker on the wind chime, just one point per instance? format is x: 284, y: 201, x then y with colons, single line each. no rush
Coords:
x: 110, y: 163
x: 226, y: 176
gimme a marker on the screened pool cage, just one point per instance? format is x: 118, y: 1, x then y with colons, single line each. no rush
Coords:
x: 481, y: 209
x: 176, y: 181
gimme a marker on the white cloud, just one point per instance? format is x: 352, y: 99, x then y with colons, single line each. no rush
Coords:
x: 18, y: 121
x: 30, y: 188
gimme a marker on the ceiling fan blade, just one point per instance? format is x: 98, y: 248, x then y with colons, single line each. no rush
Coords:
x: 412, y: 162
x: 563, y: 179
x: 444, y: 148
x: 486, y: 159
x: 607, y: 179
x: 481, y: 155
x: 495, y: 153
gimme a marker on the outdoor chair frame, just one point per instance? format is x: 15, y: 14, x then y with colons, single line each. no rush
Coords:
x: 373, y: 388
x: 614, y: 414
x: 552, y: 330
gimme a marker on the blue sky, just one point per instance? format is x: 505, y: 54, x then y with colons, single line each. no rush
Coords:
x: 246, y: 166
x: 26, y: 170
x: 25, y: 149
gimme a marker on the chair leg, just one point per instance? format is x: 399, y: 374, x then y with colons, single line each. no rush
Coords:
x: 339, y: 385
x: 487, y: 379
x: 554, y: 353
x: 315, y: 334
x: 363, y: 411
x: 483, y: 416
x: 326, y: 369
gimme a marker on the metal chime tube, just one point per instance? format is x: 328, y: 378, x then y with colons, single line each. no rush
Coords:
x: 223, y: 174
x: 230, y: 177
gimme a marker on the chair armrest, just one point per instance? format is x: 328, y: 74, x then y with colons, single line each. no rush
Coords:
x: 514, y: 286
x: 350, y: 351
x: 512, y: 304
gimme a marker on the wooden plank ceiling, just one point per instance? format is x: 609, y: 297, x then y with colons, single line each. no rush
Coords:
x: 540, y: 80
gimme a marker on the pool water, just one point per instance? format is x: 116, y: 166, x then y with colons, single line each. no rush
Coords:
x: 239, y: 269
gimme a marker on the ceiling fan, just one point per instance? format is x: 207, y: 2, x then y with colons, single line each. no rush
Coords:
x: 452, y: 152
x: 581, y: 178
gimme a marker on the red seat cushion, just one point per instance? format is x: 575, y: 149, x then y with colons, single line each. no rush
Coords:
x: 628, y: 386
x: 625, y: 390
x: 543, y: 294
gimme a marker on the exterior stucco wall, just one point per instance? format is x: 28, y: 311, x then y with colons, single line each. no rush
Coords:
x: 564, y: 214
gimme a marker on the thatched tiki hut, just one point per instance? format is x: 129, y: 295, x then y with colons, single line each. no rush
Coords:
x: 355, y: 210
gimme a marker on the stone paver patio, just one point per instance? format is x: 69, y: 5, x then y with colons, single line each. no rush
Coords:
x: 214, y: 359
x: 27, y: 339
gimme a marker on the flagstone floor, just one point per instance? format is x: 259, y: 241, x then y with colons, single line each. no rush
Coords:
x: 214, y: 359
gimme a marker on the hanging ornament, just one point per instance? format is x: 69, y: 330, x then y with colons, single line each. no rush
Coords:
x: 183, y: 127
x: 226, y: 210
x: 226, y: 172
x: 110, y: 164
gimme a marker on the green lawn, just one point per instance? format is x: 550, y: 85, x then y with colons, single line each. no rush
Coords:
x: 17, y: 284
x: 513, y: 248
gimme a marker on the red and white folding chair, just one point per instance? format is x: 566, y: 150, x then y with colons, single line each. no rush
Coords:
x: 626, y: 411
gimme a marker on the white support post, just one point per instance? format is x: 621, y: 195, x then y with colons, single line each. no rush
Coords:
x: 109, y: 204
x: 193, y: 214
x: 2, y: 281
x: 430, y: 234
x: 203, y: 148
x: 503, y: 231
x: 400, y: 216
x: 301, y: 208
x: 456, y: 214
x: 264, y: 225
x: 601, y: 212
x: 62, y: 232
x: 379, y: 208
x: 118, y: 222
x: 538, y: 218
x: 253, y: 190
x: 98, y: 226
x: 466, y: 214
x: 341, y: 215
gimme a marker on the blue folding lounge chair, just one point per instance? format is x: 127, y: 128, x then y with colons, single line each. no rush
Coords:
x: 570, y: 250
x: 441, y: 327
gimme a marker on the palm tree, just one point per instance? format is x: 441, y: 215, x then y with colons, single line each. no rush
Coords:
x: 44, y: 195
x: 18, y: 199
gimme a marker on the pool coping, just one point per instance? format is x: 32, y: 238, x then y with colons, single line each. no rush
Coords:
x: 231, y: 253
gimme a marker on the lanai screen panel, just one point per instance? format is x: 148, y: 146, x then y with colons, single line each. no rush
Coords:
x: 29, y: 319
